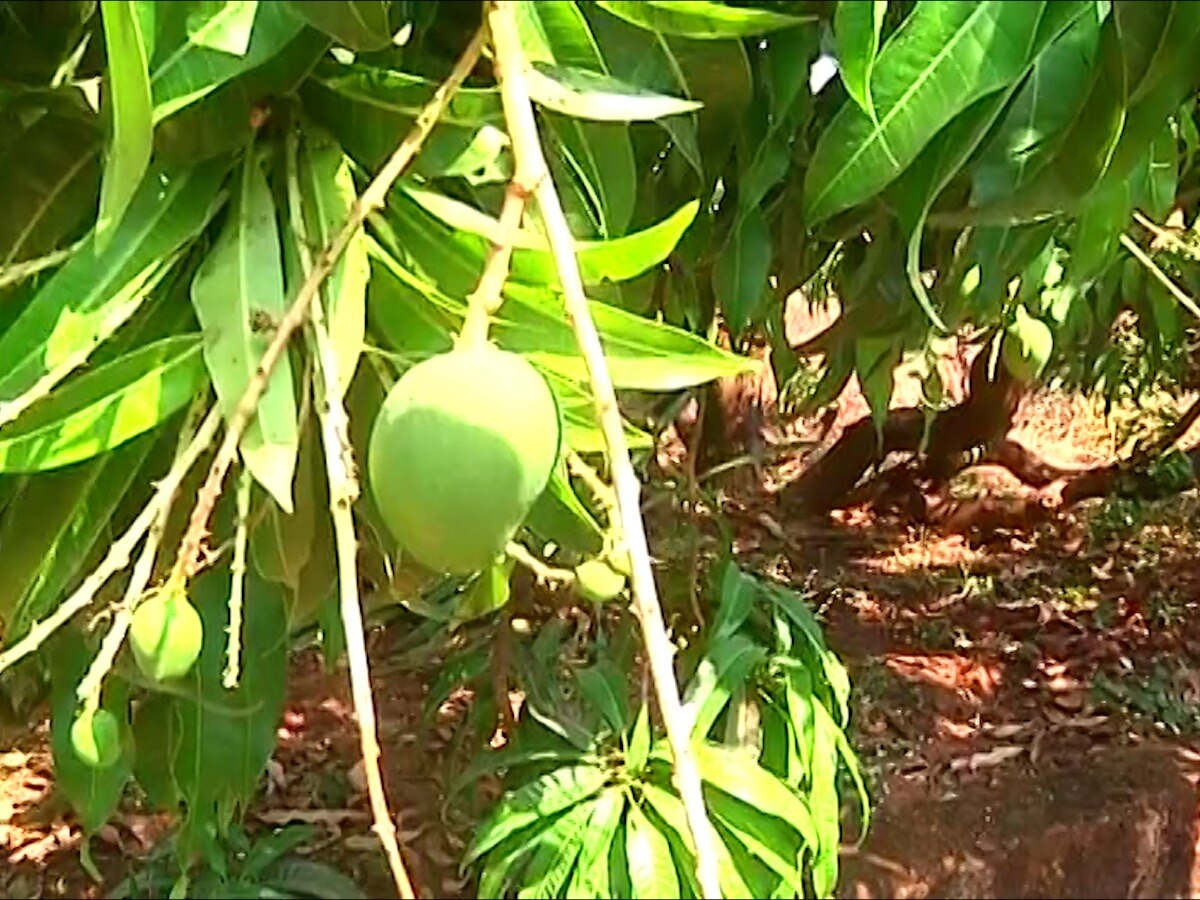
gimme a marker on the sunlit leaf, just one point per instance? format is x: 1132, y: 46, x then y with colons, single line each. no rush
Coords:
x: 128, y: 99
x: 699, y: 18
x: 239, y: 299
x: 105, y: 407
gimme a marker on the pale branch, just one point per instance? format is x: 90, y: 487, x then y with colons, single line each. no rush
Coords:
x: 121, y: 549
x: 89, y: 688
x: 518, y: 113
x: 14, y: 273
x: 372, y: 198
x: 600, y: 491
x: 343, y: 492
x: 237, y: 584
x: 543, y: 572
x: 1185, y: 300
x: 1166, y: 236
x: 487, y: 296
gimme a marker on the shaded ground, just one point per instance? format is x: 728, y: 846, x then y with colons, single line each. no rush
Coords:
x: 1028, y: 710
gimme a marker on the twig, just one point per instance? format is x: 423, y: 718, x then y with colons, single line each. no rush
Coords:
x: 88, y: 691
x: 600, y: 491
x: 17, y: 272
x: 343, y: 491
x: 119, y: 552
x: 1165, y: 280
x: 693, y: 489
x: 237, y: 584
x: 372, y: 198
x: 1166, y: 236
x: 522, y: 127
x: 487, y: 297
x: 545, y: 574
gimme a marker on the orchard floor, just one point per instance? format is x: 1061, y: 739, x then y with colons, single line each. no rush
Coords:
x: 1027, y: 711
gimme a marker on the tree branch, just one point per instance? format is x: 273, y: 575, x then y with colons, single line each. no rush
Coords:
x: 518, y: 113
x: 119, y: 552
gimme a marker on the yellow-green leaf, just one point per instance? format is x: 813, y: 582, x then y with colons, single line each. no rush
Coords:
x: 128, y: 101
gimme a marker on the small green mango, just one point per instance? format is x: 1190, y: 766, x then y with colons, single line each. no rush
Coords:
x: 464, y: 444
x: 96, y: 738
x: 166, y: 635
x: 597, y: 581
x: 1026, y: 346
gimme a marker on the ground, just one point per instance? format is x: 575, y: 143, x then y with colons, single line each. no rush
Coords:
x: 1027, y: 709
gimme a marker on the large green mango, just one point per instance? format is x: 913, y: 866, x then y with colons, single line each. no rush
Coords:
x: 464, y: 444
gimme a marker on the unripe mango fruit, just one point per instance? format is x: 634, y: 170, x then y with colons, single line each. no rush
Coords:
x: 96, y: 738
x: 598, y: 581
x: 1026, y: 346
x: 166, y: 634
x: 462, y: 447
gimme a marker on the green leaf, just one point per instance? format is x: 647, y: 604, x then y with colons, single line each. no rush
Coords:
x: 699, y: 19
x: 560, y: 516
x: 327, y: 192
x: 616, y: 259
x: 739, y: 775
x: 638, y: 751
x: 539, y: 799
x: 223, y: 25
x: 487, y: 593
x: 593, y: 164
x: 741, y: 270
x: 512, y: 757
x: 768, y: 840
x: 1049, y: 100
x: 184, y: 70
x: 156, y: 724
x: 641, y: 354
x: 106, y: 407
x: 238, y: 297
x: 603, y: 685
x: 947, y: 56
x: 558, y: 848
x: 356, y: 24
x: 856, y: 29
x: 51, y: 151
x: 601, y: 98
x: 651, y: 868
x: 226, y: 737
x: 590, y: 879
x: 282, y: 545
x: 93, y: 293
x: 875, y: 362
x: 668, y: 806
x: 129, y: 100
x: 825, y: 804
x: 56, y: 524
x: 92, y: 792
x: 725, y: 668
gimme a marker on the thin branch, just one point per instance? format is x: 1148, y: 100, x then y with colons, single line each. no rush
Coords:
x: 600, y: 491
x: 487, y: 296
x: 237, y: 584
x: 343, y: 492
x: 372, y: 198
x: 88, y: 691
x: 120, y: 550
x: 522, y: 127
x: 544, y: 573
x: 1164, y: 279
x: 1166, y: 236
x: 17, y: 272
